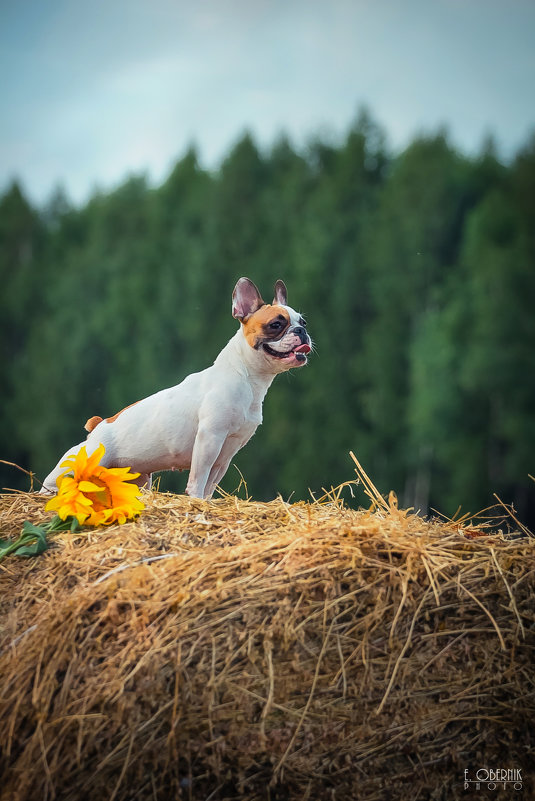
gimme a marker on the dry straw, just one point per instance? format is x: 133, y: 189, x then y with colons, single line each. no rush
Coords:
x: 240, y: 650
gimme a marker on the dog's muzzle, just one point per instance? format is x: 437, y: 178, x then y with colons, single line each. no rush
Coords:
x: 294, y: 344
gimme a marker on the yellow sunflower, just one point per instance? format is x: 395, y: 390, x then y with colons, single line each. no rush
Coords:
x: 93, y: 494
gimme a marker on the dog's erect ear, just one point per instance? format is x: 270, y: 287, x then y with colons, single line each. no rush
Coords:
x: 281, y: 294
x: 246, y: 299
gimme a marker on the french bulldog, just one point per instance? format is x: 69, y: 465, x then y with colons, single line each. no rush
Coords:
x: 201, y: 423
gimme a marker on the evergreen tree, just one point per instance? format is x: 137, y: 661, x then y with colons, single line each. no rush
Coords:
x: 21, y: 243
x: 417, y: 234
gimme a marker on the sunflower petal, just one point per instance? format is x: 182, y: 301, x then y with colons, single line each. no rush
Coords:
x: 93, y: 461
x: 88, y: 486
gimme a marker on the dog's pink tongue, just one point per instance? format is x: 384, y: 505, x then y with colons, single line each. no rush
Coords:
x: 304, y: 348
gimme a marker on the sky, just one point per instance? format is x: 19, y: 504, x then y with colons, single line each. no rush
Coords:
x: 93, y: 92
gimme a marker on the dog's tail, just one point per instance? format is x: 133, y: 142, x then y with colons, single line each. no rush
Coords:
x: 92, y: 423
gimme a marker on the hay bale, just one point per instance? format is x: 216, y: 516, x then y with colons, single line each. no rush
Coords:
x: 236, y: 650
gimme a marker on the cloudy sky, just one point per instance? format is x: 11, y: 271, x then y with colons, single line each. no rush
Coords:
x: 94, y: 91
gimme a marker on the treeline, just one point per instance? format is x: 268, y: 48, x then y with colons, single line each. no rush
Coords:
x: 416, y: 274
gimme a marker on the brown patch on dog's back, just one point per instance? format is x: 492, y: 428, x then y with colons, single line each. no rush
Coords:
x: 115, y: 416
x: 94, y: 421
x: 256, y: 327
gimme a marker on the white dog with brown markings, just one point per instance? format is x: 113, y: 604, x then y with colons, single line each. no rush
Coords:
x: 201, y: 423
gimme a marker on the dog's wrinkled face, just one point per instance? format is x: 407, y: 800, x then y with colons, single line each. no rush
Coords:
x: 281, y: 334
x: 276, y: 331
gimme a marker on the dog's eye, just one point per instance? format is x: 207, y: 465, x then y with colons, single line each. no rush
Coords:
x: 276, y: 325
x: 302, y: 322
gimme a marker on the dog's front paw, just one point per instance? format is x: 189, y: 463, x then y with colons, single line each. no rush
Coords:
x: 195, y: 491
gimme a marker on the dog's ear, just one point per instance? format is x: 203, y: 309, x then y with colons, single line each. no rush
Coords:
x: 281, y: 294
x: 246, y: 299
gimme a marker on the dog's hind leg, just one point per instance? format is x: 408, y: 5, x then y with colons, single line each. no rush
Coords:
x: 144, y: 480
x: 91, y: 444
x: 50, y: 486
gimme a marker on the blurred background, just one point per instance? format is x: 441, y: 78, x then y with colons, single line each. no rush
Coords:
x: 377, y: 156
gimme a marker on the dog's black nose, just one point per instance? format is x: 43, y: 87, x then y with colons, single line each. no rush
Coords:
x: 301, y: 332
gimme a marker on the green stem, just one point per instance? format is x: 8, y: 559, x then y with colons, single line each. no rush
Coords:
x: 37, y: 536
